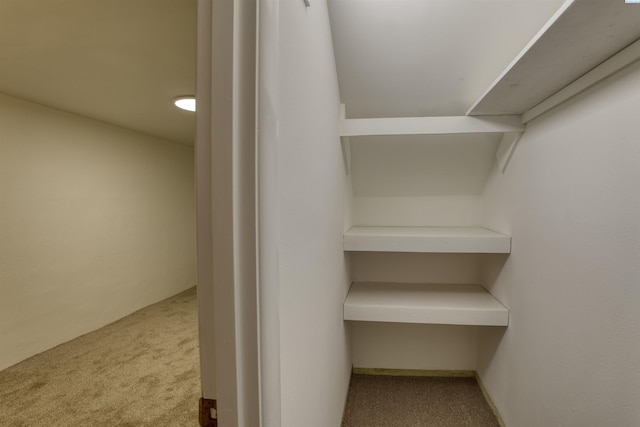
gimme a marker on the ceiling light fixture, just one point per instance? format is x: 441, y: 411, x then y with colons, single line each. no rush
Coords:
x: 186, y: 103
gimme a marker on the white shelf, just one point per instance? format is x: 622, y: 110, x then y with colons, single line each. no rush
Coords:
x: 430, y: 125
x: 424, y: 303
x: 510, y: 126
x: 426, y: 239
x: 579, y: 37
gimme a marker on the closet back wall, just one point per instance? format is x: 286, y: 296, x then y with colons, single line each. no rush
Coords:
x: 95, y: 222
x: 420, y: 180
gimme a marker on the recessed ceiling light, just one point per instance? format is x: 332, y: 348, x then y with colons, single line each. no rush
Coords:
x: 186, y: 103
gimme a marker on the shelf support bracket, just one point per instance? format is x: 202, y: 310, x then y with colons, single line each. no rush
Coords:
x: 346, y: 154
x: 506, y: 148
x: 346, y: 146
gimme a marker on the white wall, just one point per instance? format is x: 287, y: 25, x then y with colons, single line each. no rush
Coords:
x: 303, y: 277
x: 95, y: 223
x: 570, y: 199
x: 420, y: 180
x: 405, y: 346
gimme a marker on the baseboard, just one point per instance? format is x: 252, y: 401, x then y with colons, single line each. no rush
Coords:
x: 413, y: 372
x: 492, y: 405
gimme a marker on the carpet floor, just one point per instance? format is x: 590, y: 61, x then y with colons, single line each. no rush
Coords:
x: 390, y: 401
x: 142, y: 370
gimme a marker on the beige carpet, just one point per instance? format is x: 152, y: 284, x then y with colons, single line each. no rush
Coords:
x: 389, y: 401
x: 142, y: 370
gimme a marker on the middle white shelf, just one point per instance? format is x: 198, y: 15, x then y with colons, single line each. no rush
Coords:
x: 446, y: 304
x: 426, y: 239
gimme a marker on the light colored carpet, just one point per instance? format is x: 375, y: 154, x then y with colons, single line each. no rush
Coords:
x: 142, y: 370
x: 390, y: 401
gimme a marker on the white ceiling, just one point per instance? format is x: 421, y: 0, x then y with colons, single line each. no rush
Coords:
x: 411, y: 58
x: 118, y: 61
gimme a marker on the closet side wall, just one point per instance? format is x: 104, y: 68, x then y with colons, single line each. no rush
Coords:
x: 301, y: 169
x: 95, y: 222
x: 570, y: 199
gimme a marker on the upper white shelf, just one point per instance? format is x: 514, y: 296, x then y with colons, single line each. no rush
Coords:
x: 579, y: 37
x: 430, y: 125
x: 424, y: 303
x: 426, y: 239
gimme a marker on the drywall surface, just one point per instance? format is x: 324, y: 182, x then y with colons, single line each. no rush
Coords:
x: 403, y: 267
x: 421, y: 165
x: 386, y: 51
x: 427, y: 211
x: 414, y: 346
x: 570, y: 200
x: 95, y: 223
x: 301, y: 168
x: 420, y: 180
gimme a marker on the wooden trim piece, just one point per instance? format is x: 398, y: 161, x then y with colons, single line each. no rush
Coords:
x: 413, y: 372
x: 208, y: 413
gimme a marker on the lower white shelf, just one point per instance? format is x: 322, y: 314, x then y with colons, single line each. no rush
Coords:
x: 426, y: 239
x: 424, y: 303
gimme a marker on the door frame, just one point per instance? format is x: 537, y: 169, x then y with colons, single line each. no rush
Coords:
x: 225, y: 151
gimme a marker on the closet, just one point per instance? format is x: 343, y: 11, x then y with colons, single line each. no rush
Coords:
x: 416, y: 241
x: 417, y: 187
x: 493, y: 234
x: 454, y: 304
